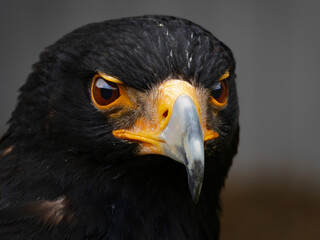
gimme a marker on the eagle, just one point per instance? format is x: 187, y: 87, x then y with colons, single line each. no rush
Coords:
x: 125, y: 129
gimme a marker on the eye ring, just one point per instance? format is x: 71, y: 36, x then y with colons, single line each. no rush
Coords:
x: 219, y: 94
x: 104, y: 92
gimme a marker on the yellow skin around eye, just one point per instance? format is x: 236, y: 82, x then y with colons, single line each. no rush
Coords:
x: 223, y: 103
x: 122, y: 100
x: 224, y: 76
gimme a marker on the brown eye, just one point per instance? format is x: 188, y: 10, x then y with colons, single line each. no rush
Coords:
x: 104, y: 92
x: 220, y: 93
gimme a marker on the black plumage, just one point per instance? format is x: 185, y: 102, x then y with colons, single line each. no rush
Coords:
x: 63, y: 175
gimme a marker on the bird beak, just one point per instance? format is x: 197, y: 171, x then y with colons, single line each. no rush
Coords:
x: 176, y: 131
x: 183, y: 142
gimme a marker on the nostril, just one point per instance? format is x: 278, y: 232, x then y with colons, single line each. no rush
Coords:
x: 165, y: 114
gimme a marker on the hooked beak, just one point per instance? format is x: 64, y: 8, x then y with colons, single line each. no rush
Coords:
x: 183, y: 142
x: 176, y: 132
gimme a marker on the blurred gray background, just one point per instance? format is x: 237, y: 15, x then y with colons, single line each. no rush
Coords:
x: 274, y: 184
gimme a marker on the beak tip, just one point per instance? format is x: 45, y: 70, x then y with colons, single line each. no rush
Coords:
x: 195, y: 193
x: 195, y: 179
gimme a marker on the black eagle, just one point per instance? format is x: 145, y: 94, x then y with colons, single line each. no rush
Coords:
x: 118, y: 122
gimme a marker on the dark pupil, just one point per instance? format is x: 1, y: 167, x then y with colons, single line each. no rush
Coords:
x: 106, y: 93
x: 217, y: 91
x: 106, y: 88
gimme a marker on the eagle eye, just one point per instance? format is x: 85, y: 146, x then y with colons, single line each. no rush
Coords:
x: 104, y: 92
x: 219, y: 94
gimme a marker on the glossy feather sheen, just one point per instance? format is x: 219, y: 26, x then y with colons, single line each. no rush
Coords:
x: 63, y: 175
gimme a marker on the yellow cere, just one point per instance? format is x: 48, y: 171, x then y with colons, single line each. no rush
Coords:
x: 148, y: 131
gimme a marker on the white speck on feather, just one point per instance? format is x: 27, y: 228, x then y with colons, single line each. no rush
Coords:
x: 189, y: 62
x: 167, y: 33
x: 191, y: 35
x: 161, y: 25
x: 171, y: 55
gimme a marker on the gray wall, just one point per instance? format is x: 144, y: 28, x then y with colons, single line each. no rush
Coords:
x: 276, y: 45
